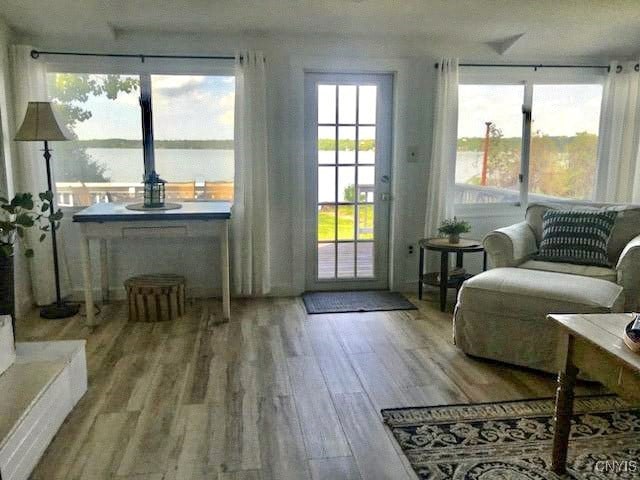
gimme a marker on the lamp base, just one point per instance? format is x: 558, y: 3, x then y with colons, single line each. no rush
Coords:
x: 59, y: 310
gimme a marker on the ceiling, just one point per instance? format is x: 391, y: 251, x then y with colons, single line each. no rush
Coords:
x: 572, y: 28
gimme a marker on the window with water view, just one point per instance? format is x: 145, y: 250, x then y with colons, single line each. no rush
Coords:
x: 193, y: 133
x: 563, y: 146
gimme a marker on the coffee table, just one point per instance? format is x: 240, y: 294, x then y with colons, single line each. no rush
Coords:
x: 592, y: 343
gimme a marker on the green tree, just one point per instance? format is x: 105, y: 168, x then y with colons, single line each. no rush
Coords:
x: 350, y: 194
x: 69, y: 92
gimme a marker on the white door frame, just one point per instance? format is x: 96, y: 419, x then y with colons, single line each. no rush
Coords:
x: 383, y: 183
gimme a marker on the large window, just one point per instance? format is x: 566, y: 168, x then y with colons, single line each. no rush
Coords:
x: 192, y: 129
x: 557, y: 123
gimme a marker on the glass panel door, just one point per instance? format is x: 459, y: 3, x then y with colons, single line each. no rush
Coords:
x: 347, y: 124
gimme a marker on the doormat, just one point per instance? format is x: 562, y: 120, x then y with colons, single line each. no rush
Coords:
x: 355, y: 301
x: 514, y: 440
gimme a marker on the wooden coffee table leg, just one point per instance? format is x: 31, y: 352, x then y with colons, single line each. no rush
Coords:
x: 420, y: 272
x: 444, y: 279
x: 563, y: 411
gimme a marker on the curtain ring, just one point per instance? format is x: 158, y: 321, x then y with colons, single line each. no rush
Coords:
x: 618, y: 68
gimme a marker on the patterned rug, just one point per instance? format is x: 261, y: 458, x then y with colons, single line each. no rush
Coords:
x: 513, y: 440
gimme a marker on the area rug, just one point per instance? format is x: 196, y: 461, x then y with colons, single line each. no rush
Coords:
x: 355, y: 301
x: 513, y: 440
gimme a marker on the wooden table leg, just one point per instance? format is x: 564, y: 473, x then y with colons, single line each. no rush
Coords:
x: 104, y: 271
x: 444, y: 279
x: 224, y: 260
x: 564, y: 411
x: 87, y: 277
x: 420, y: 273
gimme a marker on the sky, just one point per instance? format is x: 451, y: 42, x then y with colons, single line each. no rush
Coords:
x: 201, y: 107
x: 561, y: 110
x: 184, y: 107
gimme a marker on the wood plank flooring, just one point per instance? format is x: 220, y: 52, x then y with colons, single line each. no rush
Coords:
x: 273, y: 395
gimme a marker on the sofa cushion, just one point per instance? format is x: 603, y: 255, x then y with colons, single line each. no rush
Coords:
x: 536, y: 293
x: 625, y: 228
x: 576, y: 236
x: 602, y: 273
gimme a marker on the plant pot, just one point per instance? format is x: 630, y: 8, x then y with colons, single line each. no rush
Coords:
x: 454, y: 238
x: 7, y: 297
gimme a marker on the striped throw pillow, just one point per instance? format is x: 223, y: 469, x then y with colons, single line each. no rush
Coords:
x: 576, y: 236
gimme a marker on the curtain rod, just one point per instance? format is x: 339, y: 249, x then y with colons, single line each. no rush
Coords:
x: 527, y: 65
x: 36, y: 54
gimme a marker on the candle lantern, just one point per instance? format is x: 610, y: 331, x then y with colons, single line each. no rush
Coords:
x: 153, y: 190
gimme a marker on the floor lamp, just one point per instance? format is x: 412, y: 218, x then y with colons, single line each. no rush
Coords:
x: 40, y: 124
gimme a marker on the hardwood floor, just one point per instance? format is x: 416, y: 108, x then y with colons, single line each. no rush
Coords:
x: 273, y: 395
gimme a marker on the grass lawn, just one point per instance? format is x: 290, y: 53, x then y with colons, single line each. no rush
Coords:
x: 346, y: 220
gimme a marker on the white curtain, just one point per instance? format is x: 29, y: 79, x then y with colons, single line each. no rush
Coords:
x: 441, y: 174
x: 619, y: 137
x: 250, y: 216
x: 30, y: 84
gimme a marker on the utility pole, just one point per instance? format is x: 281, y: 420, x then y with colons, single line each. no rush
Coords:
x: 485, y: 156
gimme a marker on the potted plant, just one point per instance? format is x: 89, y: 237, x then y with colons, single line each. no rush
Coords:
x: 17, y: 216
x: 452, y: 227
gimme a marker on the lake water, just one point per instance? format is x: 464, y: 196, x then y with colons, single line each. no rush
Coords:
x: 175, y: 165
x: 183, y: 165
x: 468, y: 165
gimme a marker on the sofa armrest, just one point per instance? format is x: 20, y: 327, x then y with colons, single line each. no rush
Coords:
x: 510, y: 246
x: 628, y: 269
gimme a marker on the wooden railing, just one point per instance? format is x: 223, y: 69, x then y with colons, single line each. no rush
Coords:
x: 477, y: 194
x: 72, y: 194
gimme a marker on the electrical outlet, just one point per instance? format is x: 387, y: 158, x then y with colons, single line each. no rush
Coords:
x: 410, y: 249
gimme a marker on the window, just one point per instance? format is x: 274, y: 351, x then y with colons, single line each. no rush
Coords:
x: 192, y: 130
x: 564, y: 140
x: 489, y: 143
x: 492, y: 164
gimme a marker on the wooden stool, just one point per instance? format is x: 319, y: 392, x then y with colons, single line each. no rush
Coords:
x: 155, y: 298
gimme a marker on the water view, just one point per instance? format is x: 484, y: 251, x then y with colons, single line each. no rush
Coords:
x: 173, y: 164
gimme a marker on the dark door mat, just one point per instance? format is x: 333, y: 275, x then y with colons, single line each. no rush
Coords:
x: 355, y: 301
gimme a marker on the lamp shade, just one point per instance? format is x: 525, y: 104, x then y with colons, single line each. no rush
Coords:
x: 40, y: 123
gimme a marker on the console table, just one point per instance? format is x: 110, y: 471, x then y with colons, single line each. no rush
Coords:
x: 113, y: 221
x: 593, y: 344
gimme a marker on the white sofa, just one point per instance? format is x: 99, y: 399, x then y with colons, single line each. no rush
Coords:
x: 501, y: 313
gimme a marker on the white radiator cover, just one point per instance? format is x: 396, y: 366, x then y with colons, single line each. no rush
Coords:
x: 7, y: 349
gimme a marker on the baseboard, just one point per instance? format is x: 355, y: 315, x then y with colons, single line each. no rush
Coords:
x: 118, y: 293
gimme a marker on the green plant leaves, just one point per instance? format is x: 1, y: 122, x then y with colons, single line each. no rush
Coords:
x: 46, y: 196
x: 23, y: 213
x: 6, y: 249
x: 25, y: 220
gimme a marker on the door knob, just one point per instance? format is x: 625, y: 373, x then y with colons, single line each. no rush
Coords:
x: 384, y: 179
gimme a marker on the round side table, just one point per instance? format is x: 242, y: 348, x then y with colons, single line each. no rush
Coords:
x: 443, y: 246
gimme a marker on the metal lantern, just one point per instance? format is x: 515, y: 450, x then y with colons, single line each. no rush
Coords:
x: 153, y: 190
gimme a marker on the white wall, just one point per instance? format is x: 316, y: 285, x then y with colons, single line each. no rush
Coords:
x: 410, y: 59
